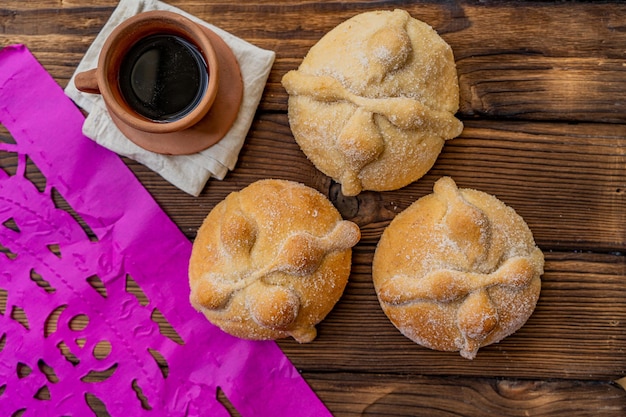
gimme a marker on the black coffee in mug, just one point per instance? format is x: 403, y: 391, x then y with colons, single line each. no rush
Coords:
x: 163, y: 77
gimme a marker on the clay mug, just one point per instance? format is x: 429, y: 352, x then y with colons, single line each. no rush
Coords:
x: 105, y: 79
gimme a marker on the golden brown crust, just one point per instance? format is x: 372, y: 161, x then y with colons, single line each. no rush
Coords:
x: 457, y: 270
x: 374, y: 100
x: 271, y: 261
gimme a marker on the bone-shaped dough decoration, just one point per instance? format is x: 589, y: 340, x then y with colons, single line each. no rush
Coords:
x: 446, y: 285
x: 299, y: 255
x: 403, y: 112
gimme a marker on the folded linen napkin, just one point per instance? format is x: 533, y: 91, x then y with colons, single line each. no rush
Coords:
x: 187, y: 172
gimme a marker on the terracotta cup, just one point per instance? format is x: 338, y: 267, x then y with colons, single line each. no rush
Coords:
x: 104, y: 78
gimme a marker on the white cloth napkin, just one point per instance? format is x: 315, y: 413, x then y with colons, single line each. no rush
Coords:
x: 187, y: 172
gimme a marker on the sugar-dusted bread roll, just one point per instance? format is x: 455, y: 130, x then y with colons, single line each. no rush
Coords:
x: 374, y: 100
x: 457, y: 270
x: 271, y: 261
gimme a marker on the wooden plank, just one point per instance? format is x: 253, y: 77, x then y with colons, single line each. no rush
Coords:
x: 568, y: 184
x: 375, y: 395
x: 514, y: 60
x: 17, y: 19
x: 556, y: 62
x: 543, y: 88
x: 516, y: 86
x: 578, y: 330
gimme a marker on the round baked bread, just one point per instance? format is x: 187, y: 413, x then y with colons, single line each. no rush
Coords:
x: 271, y: 261
x: 457, y: 270
x: 374, y: 100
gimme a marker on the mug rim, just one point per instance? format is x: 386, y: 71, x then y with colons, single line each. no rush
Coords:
x: 127, y: 34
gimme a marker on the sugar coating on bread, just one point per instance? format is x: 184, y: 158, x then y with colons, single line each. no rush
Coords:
x: 271, y: 261
x: 457, y: 270
x: 374, y: 100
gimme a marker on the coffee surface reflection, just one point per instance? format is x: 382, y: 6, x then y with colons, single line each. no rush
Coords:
x: 163, y: 77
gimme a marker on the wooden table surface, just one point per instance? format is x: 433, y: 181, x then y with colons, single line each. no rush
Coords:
x: 543, y: 101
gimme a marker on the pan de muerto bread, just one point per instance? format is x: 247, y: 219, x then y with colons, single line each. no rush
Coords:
x: 374, y: 100
x: 271, y: 261
x: 457, y: 270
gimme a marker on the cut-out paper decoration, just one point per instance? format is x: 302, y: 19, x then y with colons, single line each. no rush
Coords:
x: 72, y: 334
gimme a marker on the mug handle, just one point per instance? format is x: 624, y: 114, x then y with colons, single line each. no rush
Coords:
x: 86, y: 82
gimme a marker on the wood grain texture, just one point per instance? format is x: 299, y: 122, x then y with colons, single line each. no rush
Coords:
x: 376, y: 395
x: 543, y: 100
